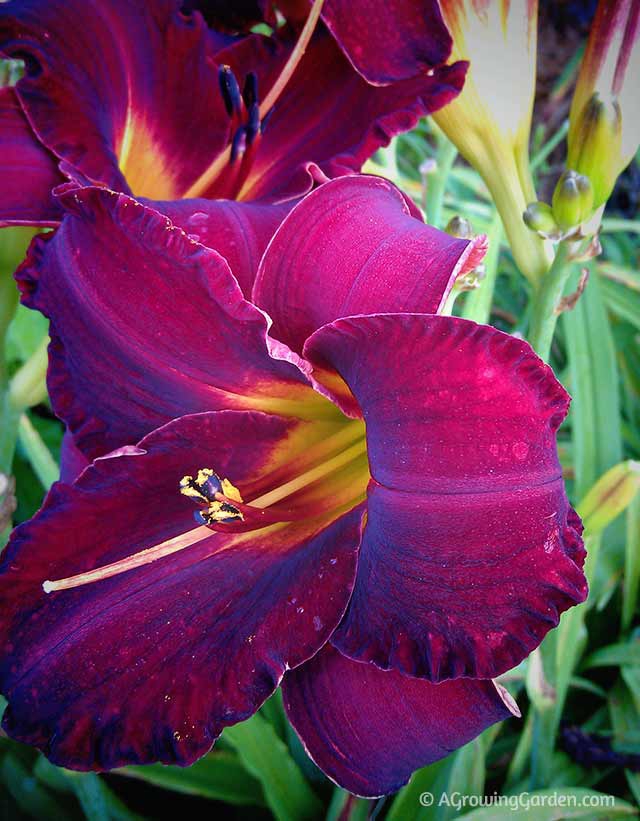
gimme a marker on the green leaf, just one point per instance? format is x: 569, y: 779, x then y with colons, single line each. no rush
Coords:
x: 266, y: 756
x: 593, y: 370
x: 31, y: 796
x: 220, y: 775
x: 555, y: 805
x: 610, y: 496
x: 429, y: 781
x: 631, y: 585
x: 614, y: 655
x: 98, y: 802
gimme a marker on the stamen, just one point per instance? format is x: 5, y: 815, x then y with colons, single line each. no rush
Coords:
x: 219, y: 164
x: 230, y: 91
x: 250, y: 89
x: 151, y: 554
x: 219, y: 495
x: 279, y: 493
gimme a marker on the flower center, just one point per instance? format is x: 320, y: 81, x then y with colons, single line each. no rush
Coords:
x: 335, y: 481
x: 248, y: 117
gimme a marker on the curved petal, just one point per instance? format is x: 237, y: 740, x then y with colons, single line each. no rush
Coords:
x: 240, y: 231
x: 146, y: 116
x: 354, y: 247
x: 72, y: 460
x: 369, y: 729
x: 28, y: 170
x: 151, y: 664
x: 327, y: 114
x: 391, y: 40
x: 471, y: 550
x: 147, y: 325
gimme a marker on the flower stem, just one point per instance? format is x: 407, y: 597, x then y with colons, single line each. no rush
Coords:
x: 28, y: 386
x: 437, y: 181
x: 39, y: 455
x: 544, y: 315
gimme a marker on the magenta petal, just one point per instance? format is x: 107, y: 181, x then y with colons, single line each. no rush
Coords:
x: 120, y: 90
x: 151, y: 664
x: 471, y: 550
x: 28, y: 171
x: 353, y: 246
x: 389, y: 40
x: 240, y: 231
x: 369, y: 729
x: 328, y: 115
x: 146, y: 324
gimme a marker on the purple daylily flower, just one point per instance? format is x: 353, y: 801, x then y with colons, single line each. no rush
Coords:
x: 382, y: 521
x: 171, y: 112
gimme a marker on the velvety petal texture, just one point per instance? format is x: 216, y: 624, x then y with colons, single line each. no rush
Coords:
x: 471, y: 550
x: 327, y: 114
x: 28, y: 170
x: 124, y: 92
x: 239, y: 231
x: 369, y: 729
x: 147, y: 325
x: 390, y: 40
x: 152, y: 663
x: 354, y: 246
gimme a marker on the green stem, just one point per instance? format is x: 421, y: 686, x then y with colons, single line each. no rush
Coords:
x: 38, y: 454
x: 28, y: 386
x: 532, y: 254
x: 544, y: 316
x: 477, y: 304
x: 437, y: 182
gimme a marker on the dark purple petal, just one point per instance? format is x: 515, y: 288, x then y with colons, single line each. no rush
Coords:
x: 72, y: 460
x: 369, y: 729
x: 125, y: 92
x: 146, y: 325
x: 240, y: 231
x: 151, y: 664
x: 389, y: 40
x: 471, y: 550
x: 354, y: 247
x: 327, y: 114
x: 28, y: 171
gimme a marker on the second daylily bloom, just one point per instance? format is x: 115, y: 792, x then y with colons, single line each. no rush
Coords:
x: 386, y: 524
x: 172, y: 111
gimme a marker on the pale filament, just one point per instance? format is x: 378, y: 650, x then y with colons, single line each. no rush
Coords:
x: 197, y: 534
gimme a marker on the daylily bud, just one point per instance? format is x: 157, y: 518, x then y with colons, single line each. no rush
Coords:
x: 459, y: 227
x: 539, y: 217
x: 572, y: 200
x: 490, y: 120
x: 610, y: 495
x: 604, y: 123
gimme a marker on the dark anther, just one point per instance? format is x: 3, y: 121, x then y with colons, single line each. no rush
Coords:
x: 253, y: 123
x: 239, y: 143
x: 594, y: 750
x: 250, y: 89
x: 230, y: 90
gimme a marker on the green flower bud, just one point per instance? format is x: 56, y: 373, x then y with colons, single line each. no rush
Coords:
x: 572, y: 200
x: 459, y: 227
x: 539, y: 217
x: 595, y: 145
